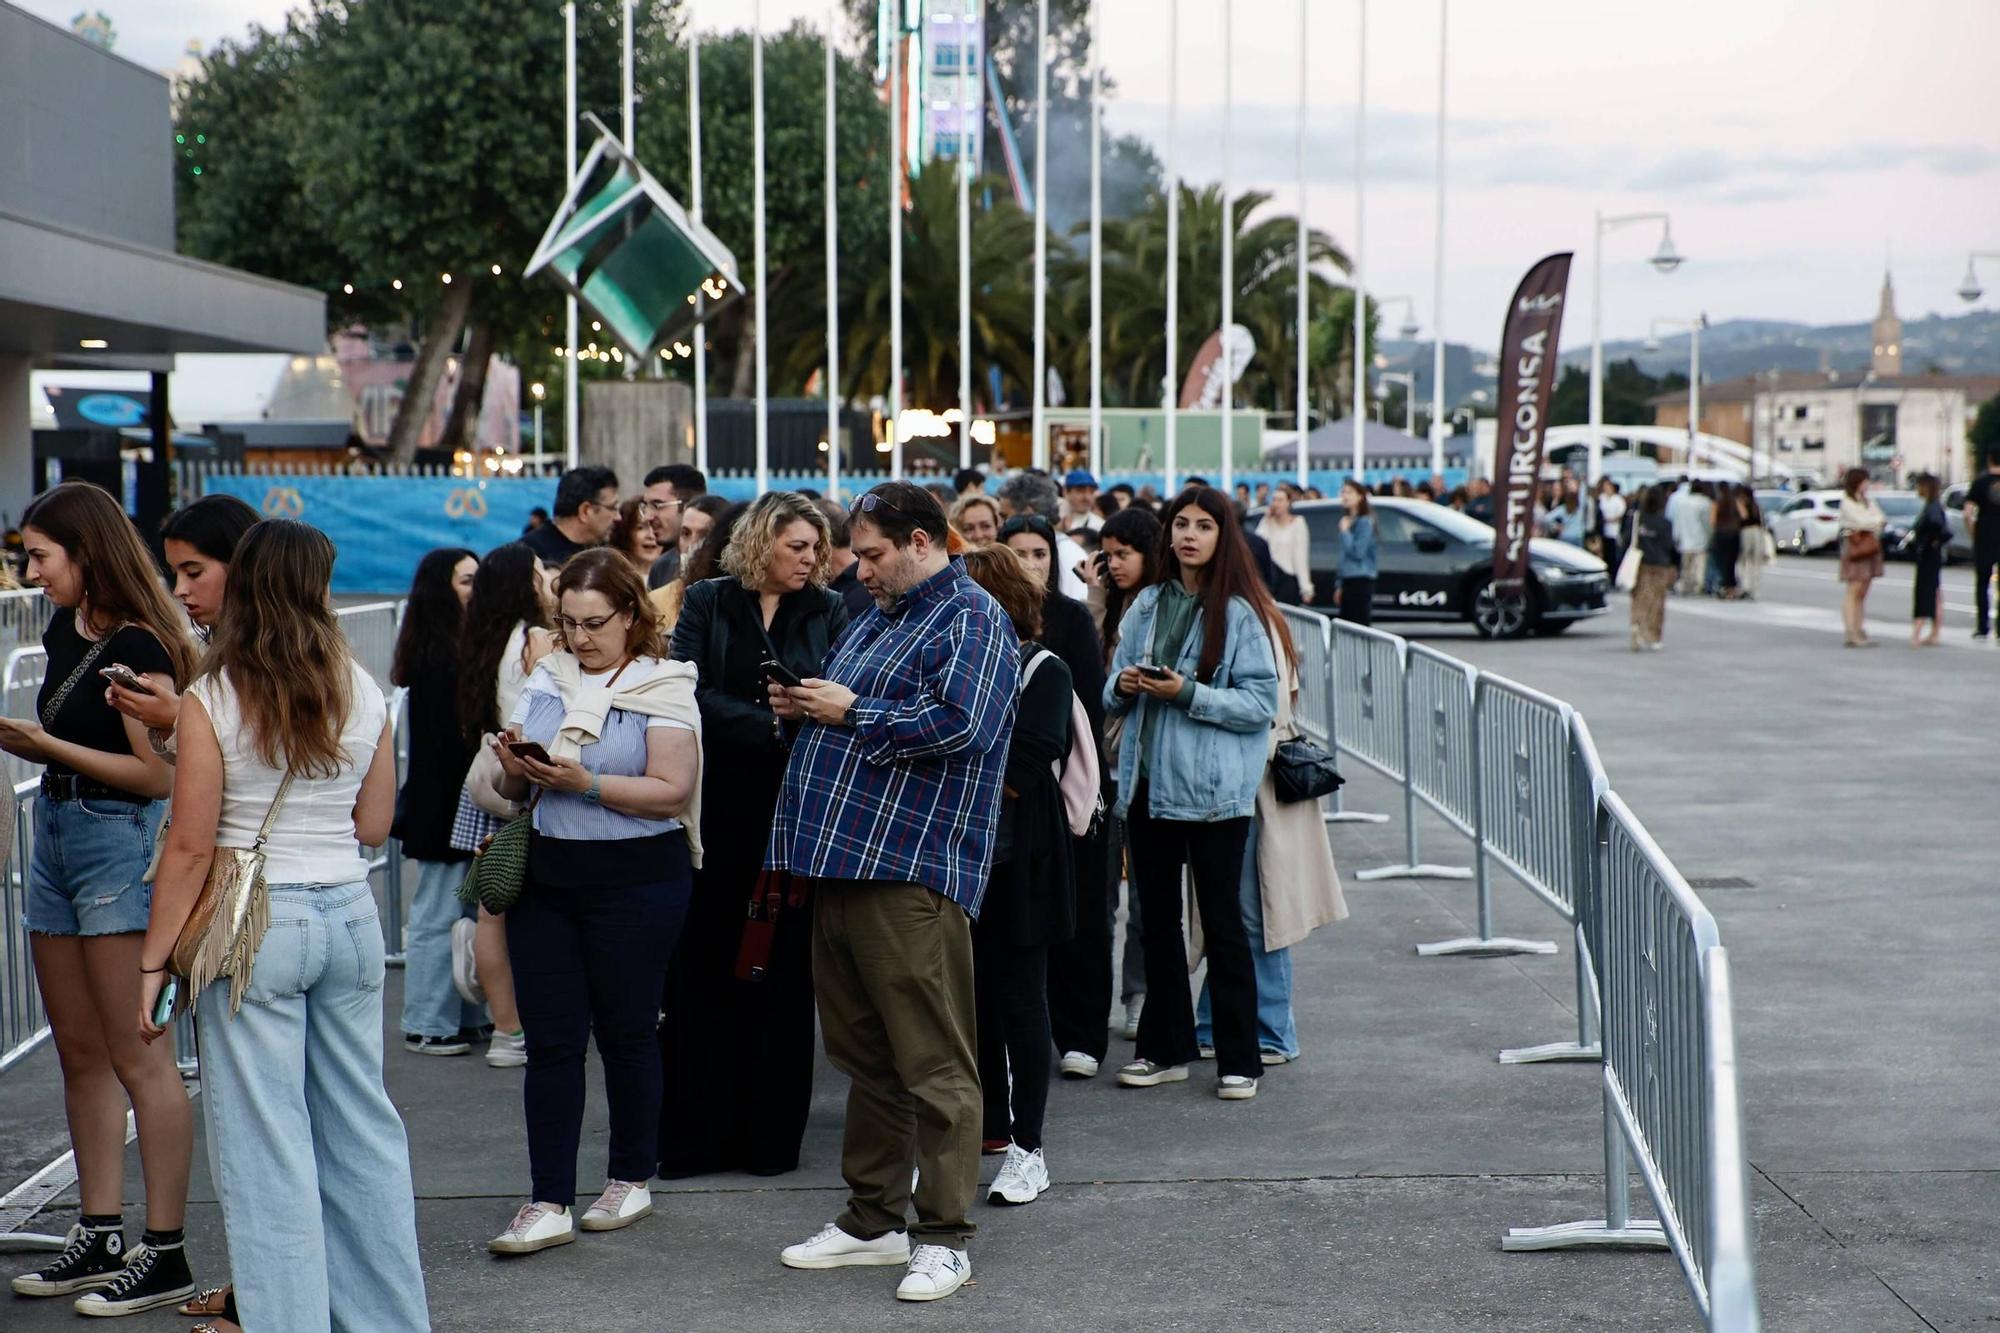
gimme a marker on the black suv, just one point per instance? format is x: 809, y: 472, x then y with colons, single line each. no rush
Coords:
x: 1435, y: 564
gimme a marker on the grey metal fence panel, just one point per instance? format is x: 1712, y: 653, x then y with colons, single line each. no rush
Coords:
x: 1442, y: 760
x: 1368, y: 696
x: 1529, y: 821
x: 371, y: 632
x: 24, y: 1024
x: 24, y: 614
x: 1312, y: 637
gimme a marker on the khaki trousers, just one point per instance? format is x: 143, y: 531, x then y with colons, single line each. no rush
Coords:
x: 1694, y: 572
x: 892, y: 970
x: 1649, y: 602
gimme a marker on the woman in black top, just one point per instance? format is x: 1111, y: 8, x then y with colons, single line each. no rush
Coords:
x: 1725, y: 541
x: 1659, y: 566
x: 1030, y: 901
x: 738, y: 1054
x: 436, y: 1020
x: 88, y: 902
x: 1929, y: 537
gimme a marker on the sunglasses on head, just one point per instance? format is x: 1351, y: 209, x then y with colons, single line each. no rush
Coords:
x: 870, y: 502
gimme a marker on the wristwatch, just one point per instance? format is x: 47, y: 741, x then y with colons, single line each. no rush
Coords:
x: 595, y: 793
x: 847, y: 718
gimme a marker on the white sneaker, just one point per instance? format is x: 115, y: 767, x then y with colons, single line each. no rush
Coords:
x: 1146, y: 1074
x: 464, y: 963
x: 1236, y: 1088
x: 1023, y: 1177
x: 935, y: 1272
x: 507, y: 1050
x: 831, y: 1247
x: 1204, y: 1052
x: 1271, y: 1057
x: 1075, y: 1064
x: 622, y: 1203
x: 536, y: 1227
x: 1133, y: 1008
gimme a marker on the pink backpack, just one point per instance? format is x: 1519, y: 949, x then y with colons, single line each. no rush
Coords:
x: 1077, y: 777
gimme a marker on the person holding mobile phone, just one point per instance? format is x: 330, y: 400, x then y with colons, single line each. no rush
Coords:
x: 97, y: 819
x: 737, y: 1055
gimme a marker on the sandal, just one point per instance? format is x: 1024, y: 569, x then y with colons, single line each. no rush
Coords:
x: 209, y: 1301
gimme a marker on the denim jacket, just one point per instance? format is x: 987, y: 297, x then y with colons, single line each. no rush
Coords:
x: 1357, y: 549
x: 1212, y: 753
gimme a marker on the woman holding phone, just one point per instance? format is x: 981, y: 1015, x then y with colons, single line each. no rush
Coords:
x: 1197, y: 682
x: 96, y: 821
x: 737, y: 1054
x: 1355, y: 594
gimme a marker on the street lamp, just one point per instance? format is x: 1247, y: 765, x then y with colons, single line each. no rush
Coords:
x: 1408, y: 380
x: 1969, y: 289
x: 1693, y: 328
x: 1665, y: 259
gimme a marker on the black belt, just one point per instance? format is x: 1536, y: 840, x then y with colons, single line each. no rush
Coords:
x: 76, y: 787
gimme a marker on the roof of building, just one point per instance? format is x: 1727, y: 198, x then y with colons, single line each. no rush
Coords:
x: 1747, y: 387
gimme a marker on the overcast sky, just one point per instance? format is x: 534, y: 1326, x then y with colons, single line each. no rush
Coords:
x: 1795, y: 144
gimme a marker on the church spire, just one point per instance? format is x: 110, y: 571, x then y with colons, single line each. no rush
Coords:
x: 1888, y: 332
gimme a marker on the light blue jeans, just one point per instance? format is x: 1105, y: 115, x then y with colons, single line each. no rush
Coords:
x: 1275, y: 1029
x: 311, y: 1161
x: 432, y: 1006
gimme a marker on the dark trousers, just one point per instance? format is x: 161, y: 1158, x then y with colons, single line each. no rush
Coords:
x: 1010, y: 982
x: 591, y: 963
x: 1357, y: 601
x: 1213, y: 855
x: 1724, y: 548
x: 1982, y: 585
x: 1079, y: 967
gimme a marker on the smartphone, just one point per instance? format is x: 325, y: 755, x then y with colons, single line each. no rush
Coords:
x: 1154, y: 672
x: 120, y: 674
x: 529, y: 750
x: 778, y: 673
x: 163, y: 1008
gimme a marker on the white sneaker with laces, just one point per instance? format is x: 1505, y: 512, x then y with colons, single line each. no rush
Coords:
x: 1022, y: 1178
x: 1271, y: 1057
x: 1236, y: 1088
x: 507, y: 1050
x: 622, y: 1203
x: 536, y: 1227
x: 830, y: 1247
x: 936, y: 1271
x: 1146, y: 1074
x: 1075, y: 1064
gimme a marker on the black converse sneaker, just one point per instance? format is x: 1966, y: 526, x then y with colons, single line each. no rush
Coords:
x: 92, y: 1257
x: 153, y: 1276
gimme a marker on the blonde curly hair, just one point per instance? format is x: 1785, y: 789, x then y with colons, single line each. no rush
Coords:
x: 747, y: 558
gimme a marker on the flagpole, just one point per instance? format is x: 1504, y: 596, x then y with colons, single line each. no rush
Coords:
x: 1039, y: 448
x: 895, y: 242
x: 1171, y: 380
x: 1360, y: 357
x: 1299, y: 387
x: 572, y: 407
x: 965, y: 85
x: 757, y: 186
x: 1096, y: 239
x: 1228, y: 260
x: 832, y: 277
x: 694, y: 181
x: 1437, y: 267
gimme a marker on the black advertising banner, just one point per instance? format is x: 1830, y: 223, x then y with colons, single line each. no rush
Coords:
x: 1527, y: 377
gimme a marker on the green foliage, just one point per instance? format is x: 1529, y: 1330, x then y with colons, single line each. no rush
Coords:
x: 1984, y: 437
x: 1628, y: 394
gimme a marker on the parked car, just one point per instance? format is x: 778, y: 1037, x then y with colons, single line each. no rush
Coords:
x: 1902, y: 507
x: 1954, y: 517
x: 1807, y: 523
x: 1437, y: 564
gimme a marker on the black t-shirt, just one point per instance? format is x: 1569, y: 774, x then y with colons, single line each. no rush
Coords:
x: 85, y: 719
x: 548, y: 542
x: 1984, y: 500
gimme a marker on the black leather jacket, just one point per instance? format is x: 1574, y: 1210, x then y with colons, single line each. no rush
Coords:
x: 713, y: 613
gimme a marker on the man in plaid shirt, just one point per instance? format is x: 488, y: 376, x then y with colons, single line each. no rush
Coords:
x: 889, y: 806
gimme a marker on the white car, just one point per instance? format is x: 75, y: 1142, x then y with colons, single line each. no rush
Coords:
x: 1808, y: 523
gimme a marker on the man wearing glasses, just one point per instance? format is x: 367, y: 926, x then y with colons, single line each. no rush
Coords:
x: 889, y: 806
x: 669, y: 490
x: 586, y: 509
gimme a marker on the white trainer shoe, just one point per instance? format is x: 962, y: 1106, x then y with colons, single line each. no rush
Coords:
x: 507, y: 1050
x: 536, y: 1227
x: 1075, y: 1064
x: 622, y: 1203
x: 464, y: 963
x: 1022, y: 1178
x: 935, y: 1272
x: 1236, y: 1088
x: 1146, y: 1074
x: 830, y: 1247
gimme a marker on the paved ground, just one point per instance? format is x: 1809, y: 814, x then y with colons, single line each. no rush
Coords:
x: 1366, y: 1188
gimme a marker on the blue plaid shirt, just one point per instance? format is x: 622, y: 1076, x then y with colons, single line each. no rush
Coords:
x: 911, y: 792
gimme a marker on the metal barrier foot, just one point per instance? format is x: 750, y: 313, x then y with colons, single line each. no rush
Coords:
x: 1355, y: 817
x: 1419, y: 872
x: 1637, y: 1234
x: 1476, y: 947
x: 15, y: 1242
x: 1552, y: 1052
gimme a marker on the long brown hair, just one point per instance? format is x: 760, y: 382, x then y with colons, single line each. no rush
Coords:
x: 279, y: 644
x: 121, y: 581
x: 603, y: 570
x: 998, y: 570
x: 505, y: 592
x: 1230, y: 573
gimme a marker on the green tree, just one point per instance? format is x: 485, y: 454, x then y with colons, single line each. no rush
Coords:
x: 1983, y: 440
x: 1628, y: 392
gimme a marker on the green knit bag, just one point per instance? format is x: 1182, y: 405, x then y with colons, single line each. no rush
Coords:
x: 500, y: 866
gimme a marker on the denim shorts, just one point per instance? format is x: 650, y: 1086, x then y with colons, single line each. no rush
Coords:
x: 88, y: 875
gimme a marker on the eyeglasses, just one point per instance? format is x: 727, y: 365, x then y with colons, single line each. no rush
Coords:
x: 587, y: 627
x: 662, y: 506
x: 868, y: 503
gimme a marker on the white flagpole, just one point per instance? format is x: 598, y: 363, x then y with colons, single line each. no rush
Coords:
x: 625, y: 76
x: 832, y: 276
x: 965, y: 86
x: 1096, y: 239
x: 694, y: 181
x: 757, y: 178
x: 1171, y: 380
x: 1039, y: 449
x: 1360, y: 295
x: 896, y: 243
x: 1228, y: 262
x: 1304, y: 300
x: 572, y: 406
x: 1437, y: 291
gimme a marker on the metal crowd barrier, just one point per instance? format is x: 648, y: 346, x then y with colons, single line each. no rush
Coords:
x: 1670, y: 1098
x: 1372, y: 723
x: 24, y: 1024
x: 1312, y: 636
x: 24, y: 614
x: 371, y: 633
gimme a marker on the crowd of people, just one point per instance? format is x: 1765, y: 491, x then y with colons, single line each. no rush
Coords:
x: 885, y: 771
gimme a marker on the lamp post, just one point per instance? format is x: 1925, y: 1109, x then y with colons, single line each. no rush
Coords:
x: 1408, y: 380
x: 1666, y: 259
x: 540, y: 391
x: 1969, y: 289
x: 1693, y: 328
x: 1437, y: 266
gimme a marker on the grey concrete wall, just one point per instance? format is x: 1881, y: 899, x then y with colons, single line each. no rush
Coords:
x: 88, y: 137
x: 17, y: 444
x: 634, y: 427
